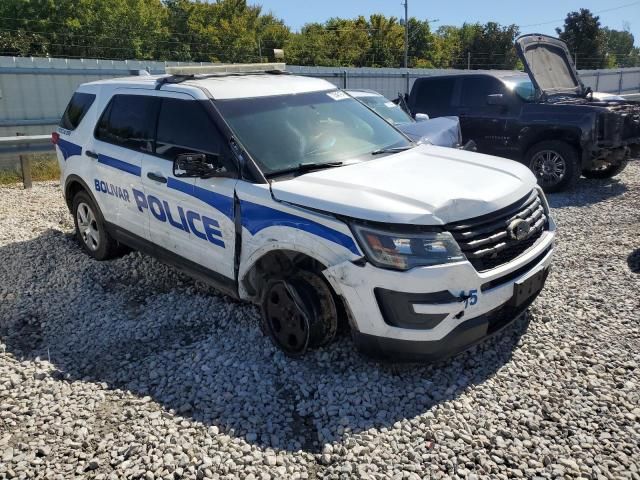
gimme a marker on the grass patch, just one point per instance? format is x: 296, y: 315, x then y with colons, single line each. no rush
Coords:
x: 43, y: 167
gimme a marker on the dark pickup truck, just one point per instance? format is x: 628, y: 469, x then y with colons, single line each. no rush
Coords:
x: 545, y: 117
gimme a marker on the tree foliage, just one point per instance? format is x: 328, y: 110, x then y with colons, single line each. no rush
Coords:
x: 239, y: 31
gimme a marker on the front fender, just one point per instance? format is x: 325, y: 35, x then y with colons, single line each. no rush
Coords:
x: 255, y: 247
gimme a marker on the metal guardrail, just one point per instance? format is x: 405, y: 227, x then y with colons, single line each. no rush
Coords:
x: 23, y: 147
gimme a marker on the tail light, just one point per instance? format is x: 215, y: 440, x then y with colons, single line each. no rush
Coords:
x: 55, y: 136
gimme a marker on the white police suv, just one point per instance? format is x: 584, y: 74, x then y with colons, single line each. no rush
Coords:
x: 284, y: 191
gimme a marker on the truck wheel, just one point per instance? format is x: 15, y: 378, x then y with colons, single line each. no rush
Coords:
x: 90, y: 229
x: 555, y: 165
x: 299, y: 313
x: 607, y: 171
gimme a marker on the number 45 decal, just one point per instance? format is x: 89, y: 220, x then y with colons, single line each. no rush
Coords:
x: 469, y: 299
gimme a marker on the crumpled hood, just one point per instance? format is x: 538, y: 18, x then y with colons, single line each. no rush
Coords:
x: 549, y: 65
x: 426, y: 185
x: 442, y: 131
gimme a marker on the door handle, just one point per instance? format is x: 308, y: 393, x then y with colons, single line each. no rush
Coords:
x: 156, y: 178
x: 91, y: 154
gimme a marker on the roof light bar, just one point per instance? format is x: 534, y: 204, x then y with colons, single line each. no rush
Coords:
x: 225, y: 68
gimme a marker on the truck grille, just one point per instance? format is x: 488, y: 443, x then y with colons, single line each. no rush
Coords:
x: 489, y: 242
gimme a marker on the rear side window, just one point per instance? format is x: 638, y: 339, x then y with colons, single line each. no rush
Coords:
x: 475, y: 90
x: 129, y: 121
x: 185, y: 127
x: 76, y: 110
x: 434, y: 96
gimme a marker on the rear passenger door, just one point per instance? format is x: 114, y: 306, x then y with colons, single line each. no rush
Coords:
x: 125, y: 131
x: 483, y: 123
x: 191, y: 217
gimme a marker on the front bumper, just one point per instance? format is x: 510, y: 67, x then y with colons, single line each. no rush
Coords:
x: 461, y: 338
x: 440, y: 319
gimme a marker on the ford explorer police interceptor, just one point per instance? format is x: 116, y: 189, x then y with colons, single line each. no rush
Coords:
x: 284, y: 191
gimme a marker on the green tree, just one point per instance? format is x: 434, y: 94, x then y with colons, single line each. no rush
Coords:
x: 387, y: 41
x: 619, y: 47
x: 421, y: 44
x: 272, y: 33
x: 585, y: 39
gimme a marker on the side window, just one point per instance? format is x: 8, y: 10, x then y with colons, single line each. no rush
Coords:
x: 434, y: 94
x: 76, y: 110
x: 185, y: 127
x: 475, y: 90
x: 129, y: 121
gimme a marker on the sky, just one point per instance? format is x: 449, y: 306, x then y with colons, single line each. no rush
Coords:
x: 534, y: 16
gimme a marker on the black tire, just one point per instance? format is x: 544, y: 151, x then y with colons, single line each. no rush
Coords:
x: 299, y: 313
x: 609, y: 171
x: 90, y: 229
x: 555, y: 164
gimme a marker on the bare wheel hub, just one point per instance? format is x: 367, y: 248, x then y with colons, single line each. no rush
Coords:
x: 287, y: 318
x: 299, y: 313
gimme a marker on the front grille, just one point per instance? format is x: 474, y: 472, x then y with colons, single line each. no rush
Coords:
x: 487, y: 242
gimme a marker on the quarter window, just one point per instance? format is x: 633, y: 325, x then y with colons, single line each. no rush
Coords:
x: 129, y: 121
x: 76, y: 110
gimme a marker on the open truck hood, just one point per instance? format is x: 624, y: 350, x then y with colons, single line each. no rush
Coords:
x: 548, y: 62
x: 426, y: 185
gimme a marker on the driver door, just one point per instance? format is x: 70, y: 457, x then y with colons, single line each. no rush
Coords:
x: 189, y: 216
x: 479, y: 121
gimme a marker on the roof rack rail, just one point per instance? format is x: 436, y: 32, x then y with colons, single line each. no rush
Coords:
x: 180, y: 74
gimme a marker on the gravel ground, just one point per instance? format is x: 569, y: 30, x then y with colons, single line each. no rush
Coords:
x: 127, y: 369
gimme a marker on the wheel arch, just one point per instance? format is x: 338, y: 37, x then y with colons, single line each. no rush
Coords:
x: 74, y: 184
x: 281, y: 259
x: 567, y: 135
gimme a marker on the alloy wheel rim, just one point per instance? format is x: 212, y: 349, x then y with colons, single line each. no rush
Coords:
x: 88, y: 226
x: 288, y: 325
x: 549, y: 166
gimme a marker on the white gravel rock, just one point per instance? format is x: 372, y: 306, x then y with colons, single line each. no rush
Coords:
x: 128, y: 369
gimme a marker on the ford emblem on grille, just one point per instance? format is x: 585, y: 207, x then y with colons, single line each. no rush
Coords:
x: 519, y: 229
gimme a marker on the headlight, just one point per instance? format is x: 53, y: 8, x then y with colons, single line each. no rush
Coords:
x: 403, y: 251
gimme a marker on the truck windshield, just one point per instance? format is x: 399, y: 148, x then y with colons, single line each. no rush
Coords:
x: 283, y: 132
x: 386, y: 109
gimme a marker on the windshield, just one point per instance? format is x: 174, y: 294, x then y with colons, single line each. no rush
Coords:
x: 286, y: 131
x: 388, y: 110
x: 523, y: 88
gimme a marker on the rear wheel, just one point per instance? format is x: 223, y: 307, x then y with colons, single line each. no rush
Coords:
x: 90, y: 228
x: 555, y: 165
x: 299, y: 313
x: 606, y: 171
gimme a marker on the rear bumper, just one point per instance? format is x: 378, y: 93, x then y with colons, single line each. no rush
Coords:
x: 461, y: 338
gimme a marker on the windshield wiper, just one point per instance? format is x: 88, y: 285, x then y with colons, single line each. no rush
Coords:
x: 304, y: 167
x: 380, y: 151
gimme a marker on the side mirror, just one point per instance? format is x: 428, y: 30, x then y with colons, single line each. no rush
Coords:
x: 421, y: 117
x: 497, y: 99
x: 199, y: 165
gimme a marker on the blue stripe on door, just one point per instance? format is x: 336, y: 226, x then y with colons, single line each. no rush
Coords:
x: 255, y: 217
x: 119, y: 164
x: 220, y: 202
x: 68, y: 149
